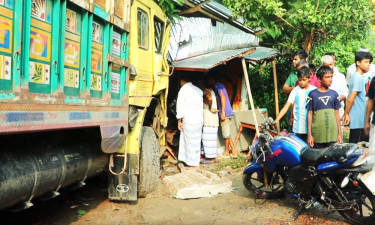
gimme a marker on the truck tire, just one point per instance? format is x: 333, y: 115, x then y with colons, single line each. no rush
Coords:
x: 149, y: 162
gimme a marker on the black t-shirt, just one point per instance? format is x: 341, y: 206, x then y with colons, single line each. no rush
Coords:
x: 371, y: 95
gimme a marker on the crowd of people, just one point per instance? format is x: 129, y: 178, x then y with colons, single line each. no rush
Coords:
x: 325, y: 100
x: 200, y: 111
x: 321, y: 102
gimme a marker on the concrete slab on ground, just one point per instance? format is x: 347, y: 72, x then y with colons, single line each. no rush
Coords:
x: 197, y: 184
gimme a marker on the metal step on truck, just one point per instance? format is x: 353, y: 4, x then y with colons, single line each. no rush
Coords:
x: 83, y: 87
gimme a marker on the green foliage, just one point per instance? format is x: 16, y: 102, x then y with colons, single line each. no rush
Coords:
x: 263, y: 88
x: 302, y: 23
x: 344, y: 50
x: 169, y: 8
x: 339, y: 26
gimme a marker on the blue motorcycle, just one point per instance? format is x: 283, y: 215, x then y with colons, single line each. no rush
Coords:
x: 337, y: 177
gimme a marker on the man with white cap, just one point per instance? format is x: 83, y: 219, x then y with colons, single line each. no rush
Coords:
x: 339, y: 83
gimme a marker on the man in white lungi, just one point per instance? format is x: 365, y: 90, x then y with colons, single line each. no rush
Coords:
x: 189, y: 109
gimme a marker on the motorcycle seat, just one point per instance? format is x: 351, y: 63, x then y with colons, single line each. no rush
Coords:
x: 339, y: 152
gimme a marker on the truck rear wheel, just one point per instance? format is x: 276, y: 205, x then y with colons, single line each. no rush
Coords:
x: 149, y: 162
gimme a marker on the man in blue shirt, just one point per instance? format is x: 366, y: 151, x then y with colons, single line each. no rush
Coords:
x: 225, y: 113
x: 355, y: 109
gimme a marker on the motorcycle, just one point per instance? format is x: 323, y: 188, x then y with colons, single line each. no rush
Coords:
x: 337, y: 177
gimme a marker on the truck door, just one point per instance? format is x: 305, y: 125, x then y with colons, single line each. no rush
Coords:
x: 141, y: 51
x: 160, y: 65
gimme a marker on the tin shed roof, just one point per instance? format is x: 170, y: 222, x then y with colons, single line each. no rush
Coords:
x: 262, y: 53
x: 207, y: 61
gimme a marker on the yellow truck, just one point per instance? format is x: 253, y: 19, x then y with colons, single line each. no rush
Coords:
x: 83, y: 86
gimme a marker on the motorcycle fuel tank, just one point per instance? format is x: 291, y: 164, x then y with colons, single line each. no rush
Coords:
x: 287, y: 149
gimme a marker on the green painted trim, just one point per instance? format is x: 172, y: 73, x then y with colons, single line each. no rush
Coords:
x: 89, y: 46
x: 56, y: 77
x: 125, y: 55
x: 17, y: 39
x: 125, y: 52
x: 110, y: 45
x: 84, y: 64
x: 61, y: 58
x: 96, y: 94
x: 106, y: 42
x: 116, y: 102
x: 69, y: 99
x: 98, y: 11
x: 7, y: 95
x: 25, y: 55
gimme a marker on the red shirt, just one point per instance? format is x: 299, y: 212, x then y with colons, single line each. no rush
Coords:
x: 313, y: 81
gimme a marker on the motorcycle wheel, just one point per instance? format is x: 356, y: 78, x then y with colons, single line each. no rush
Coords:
x: 254, y: 182
x: 364, y: 210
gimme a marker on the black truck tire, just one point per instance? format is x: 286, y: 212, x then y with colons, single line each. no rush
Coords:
x: 149, y: 162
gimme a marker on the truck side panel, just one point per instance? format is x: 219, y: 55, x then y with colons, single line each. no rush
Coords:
x: 71, y: 70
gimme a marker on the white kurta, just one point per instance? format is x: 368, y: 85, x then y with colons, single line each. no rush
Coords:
x: 190, y: 104
x: 341, y: 87
x: 190, y: 109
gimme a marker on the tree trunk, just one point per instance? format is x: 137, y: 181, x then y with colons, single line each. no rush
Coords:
x: 308, y: 41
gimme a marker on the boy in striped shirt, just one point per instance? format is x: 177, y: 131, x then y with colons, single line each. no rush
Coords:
x: 298, y: 98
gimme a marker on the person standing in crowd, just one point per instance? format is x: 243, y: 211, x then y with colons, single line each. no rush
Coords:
x: 366, y: 76
x: 370, y: 126
x: 323, y: 123
x: 313, y: 79
x: 189, y: 109
x: 292, y: 79
x: 225, y: 113
x: 298, y: 98
x: 210, y: 126
x: 335, y: 70
x: 338, y: 81
x: 356, y: 102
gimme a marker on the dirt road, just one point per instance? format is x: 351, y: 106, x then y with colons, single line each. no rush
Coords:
x: 90, y: 205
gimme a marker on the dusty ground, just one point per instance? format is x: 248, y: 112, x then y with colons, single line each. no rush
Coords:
x: 237, y: 207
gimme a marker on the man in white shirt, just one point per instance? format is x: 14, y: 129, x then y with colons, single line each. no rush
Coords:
x: 189, y: 109
x: 339, y: 83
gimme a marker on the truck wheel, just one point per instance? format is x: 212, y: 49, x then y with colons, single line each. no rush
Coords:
x: 149, y: 162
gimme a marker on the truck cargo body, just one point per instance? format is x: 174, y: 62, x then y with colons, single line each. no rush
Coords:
x: 64, y: 96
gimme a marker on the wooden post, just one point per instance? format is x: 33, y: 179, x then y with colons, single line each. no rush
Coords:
x: 276, y: 93
x: 249, y: 93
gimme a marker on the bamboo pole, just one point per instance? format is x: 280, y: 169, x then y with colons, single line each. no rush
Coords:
x: 276, y: 93
x: 249, y: 93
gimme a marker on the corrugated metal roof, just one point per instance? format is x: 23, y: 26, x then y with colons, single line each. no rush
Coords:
x: 262, y: 53
x: 219, y: 10
x: 210, y: 60
x: 193, y: 36
x: 215, y: 6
